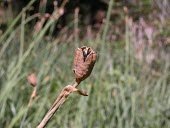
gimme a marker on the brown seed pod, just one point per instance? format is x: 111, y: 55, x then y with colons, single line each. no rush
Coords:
x: 84, y: 61
x: 32, y: 79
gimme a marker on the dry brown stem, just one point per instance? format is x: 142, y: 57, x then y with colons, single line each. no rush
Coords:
x: 59, y: 101
x: 32, y: 96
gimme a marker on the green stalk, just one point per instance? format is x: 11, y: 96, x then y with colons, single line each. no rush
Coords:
x: 107, y: 21
x: 22, y: 35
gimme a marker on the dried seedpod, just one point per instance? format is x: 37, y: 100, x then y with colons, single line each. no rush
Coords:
x: 32, y: 79
x: 84, y: 61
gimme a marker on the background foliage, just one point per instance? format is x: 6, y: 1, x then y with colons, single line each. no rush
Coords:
x: 129, y: 86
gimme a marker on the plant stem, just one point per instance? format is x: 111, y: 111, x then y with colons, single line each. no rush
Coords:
x: 59, y: 101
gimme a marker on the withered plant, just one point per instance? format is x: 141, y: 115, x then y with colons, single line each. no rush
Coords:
x: 84, y: 60
x: 32, y: 81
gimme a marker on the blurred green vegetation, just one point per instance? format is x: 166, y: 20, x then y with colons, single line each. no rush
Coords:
x: 124, y: 91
